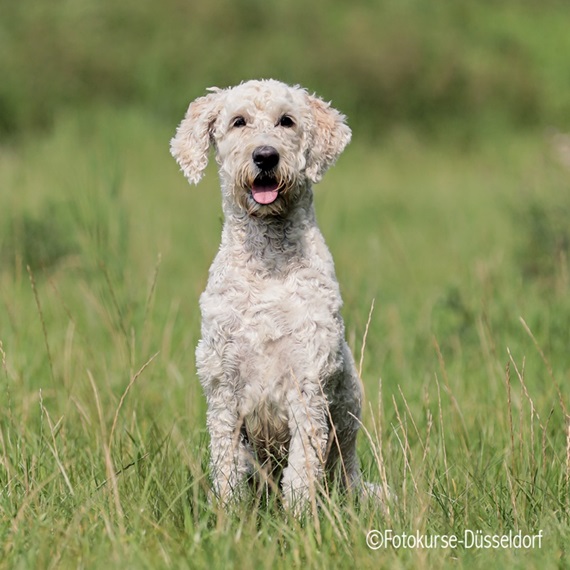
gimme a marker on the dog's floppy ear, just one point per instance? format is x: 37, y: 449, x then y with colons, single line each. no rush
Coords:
x: 191, y: 143
x: 329, y: 136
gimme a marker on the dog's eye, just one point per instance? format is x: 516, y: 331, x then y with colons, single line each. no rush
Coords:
x: 238, y: 122
x: 286, y: 121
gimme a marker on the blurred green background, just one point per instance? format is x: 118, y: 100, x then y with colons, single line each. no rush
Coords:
x: 441, y: 66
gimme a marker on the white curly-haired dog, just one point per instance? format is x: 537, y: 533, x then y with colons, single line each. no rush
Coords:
x: 282, y: 389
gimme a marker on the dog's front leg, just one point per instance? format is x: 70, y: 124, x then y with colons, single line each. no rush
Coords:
x: 228, y: 454
x: 307, y: 449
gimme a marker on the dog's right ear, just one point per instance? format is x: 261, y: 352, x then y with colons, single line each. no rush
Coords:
x: 191, y: 143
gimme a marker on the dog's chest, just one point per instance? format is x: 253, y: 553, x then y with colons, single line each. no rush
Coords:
x: 265, y: 312
x: 273, y: 328
x: 272, y: 331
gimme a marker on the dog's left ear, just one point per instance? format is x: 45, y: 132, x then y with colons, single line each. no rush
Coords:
x: 191, y: 144
x: 329, y: 136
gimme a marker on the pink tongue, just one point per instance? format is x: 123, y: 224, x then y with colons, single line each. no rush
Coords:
x: 265, y: 193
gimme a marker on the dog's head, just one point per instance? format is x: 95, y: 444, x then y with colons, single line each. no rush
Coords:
x: 270, y: 140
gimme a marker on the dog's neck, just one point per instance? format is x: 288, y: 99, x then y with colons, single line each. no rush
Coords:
x: 272, y: 243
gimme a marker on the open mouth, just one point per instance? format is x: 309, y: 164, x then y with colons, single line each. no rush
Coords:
x: 265, y: 189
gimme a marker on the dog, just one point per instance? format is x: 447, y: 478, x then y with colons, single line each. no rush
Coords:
x: 283, y: 393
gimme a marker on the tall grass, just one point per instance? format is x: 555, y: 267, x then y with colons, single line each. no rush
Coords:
x: 103, y: 450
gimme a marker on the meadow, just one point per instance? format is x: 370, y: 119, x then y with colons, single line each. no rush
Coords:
x: 453, y: 266
x: 447, y: 217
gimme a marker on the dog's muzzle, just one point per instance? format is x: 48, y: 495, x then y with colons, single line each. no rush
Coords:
x: 265, y: 187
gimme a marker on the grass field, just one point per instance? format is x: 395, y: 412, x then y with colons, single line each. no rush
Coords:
x: 462, y: 249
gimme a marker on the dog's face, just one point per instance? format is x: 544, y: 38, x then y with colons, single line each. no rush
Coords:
x: 260, y: 138
x: 270, y: 141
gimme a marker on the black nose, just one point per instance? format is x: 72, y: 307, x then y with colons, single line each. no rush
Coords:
x: 265, y: 157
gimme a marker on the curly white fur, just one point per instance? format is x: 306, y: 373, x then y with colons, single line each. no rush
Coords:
x: 282, y: 390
